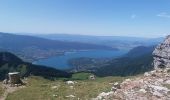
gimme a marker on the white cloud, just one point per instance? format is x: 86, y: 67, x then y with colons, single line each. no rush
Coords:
x: 133, y: 16
x: 164, y: 14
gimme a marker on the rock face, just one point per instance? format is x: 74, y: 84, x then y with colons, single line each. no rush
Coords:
x: 162, y: 54
x: 153, y: 86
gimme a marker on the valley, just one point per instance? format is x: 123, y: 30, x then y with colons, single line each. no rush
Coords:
x: 109, y: 68
x: 49, y: 80
x: 136, y: 61
x: 62, y: 61
x: 31, y: 48
x: 84, y: 50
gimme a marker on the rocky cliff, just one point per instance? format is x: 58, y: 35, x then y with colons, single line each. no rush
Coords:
x: 153, y: 85
x: 162, y: 54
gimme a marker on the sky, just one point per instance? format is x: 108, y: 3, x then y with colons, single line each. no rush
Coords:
x: 139, y: 18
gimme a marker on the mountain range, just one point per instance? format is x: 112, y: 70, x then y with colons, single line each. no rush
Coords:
x: 32, y: 48
x: 121, y: 42
x: 138, y: 59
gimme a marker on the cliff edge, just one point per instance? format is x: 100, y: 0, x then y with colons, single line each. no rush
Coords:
x: 153, y: 85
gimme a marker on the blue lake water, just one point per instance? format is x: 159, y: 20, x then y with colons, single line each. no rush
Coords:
x: 61, y: 62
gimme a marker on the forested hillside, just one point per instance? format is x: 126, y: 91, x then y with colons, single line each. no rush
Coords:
x: 11, y: 63
x: 136, y: 61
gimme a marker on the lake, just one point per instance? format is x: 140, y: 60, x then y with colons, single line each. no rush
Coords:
x: 61, y: 62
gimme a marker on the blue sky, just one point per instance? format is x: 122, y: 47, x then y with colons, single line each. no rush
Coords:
x: 141, y: 18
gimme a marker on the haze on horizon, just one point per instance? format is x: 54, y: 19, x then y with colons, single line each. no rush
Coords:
x: 139, y: 18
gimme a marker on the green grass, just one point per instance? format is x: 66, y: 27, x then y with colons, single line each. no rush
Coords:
x: 40, y: 89
x: 1, y: 90
x: 81, y: 76
x: 167, y: 85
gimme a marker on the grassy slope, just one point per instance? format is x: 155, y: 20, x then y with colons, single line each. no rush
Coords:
x: 1, y: 90
x: 40, y: 89
x: 81, y: 76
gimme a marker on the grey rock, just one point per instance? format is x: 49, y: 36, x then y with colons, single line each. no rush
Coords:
x: 162, y: 54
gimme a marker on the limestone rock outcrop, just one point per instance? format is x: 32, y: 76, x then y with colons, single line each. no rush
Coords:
x: 154, y: 86
x: 161, y: 54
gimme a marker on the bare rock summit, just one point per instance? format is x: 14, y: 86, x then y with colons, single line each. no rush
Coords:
x: 161, y: 54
